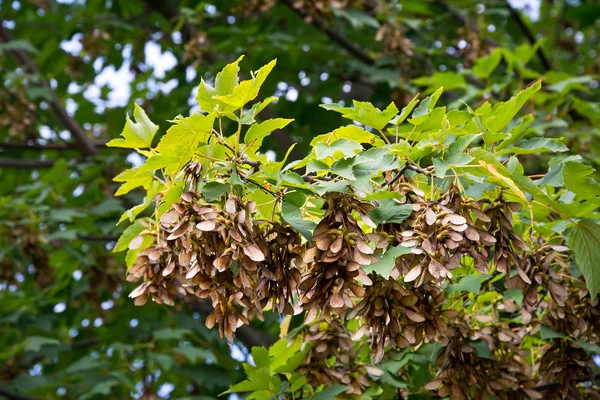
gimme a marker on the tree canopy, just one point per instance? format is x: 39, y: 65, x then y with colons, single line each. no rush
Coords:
x: 303, y: 199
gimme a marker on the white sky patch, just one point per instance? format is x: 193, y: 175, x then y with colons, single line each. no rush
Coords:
x: 530, y: 7
x: 271, y: 155
x: 165, y: 390
x: 236, y: 353
x: 71, y: 106
x: 190, y: 74
x: 135, y: 159
x: 73, y: 46
x: 165, y: 87
x: 292, y: 94
x: 118, y: 80
x: 159, y: 61
x: 47, y: 133
x: 210, y: 9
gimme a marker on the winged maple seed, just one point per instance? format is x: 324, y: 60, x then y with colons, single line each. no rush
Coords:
x: 333, y: 263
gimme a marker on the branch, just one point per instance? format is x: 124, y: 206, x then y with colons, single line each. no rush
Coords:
x: 556, y: 384
x: 97, y: 238
x: 529, y: 35
x: 464, y: 21
x: 51, y: 146
x: 16, y: 163
x: 82, y: 142
x: 169, y: 11
x: 335, y: 36
x: 406, y: 167
x: 15, y: 396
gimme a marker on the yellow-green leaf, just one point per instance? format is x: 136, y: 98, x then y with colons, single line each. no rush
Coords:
x: 138, y: 134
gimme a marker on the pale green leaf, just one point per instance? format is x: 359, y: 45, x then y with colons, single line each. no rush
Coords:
x: 128, y: 234
x: 469, y: 284
x: 183, y: 138
x: 351, y: 132
x: 365, y: 113
x: 484, y: 66
x: 406, y: 111
x: 136, y: 135
x: 247, y: 90
x: 578, y: 179
x: 249, y: 115
x: 258, y: 132
x: 390, y: 212
x: 387, y: 262
x: 584, y: 240
x: 341, y: 148
x: 501, y: 114
x: 536, y: 145
x: 420, y: 114
x: 293, y: 216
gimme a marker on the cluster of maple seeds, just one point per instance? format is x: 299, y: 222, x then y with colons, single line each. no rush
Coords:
x: 465, y: 374
x: 333, y: 262
x: 220, y: 254
x: 331, y: 359
x: 244, y: 265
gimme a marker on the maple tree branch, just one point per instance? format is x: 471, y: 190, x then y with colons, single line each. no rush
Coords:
x: 17, y: 163
x: 82, y: 142
x: 50, y: 146
x: 557, y: 384
x: 15, y: 396
x: 464, y: 21
x: 333, y: 35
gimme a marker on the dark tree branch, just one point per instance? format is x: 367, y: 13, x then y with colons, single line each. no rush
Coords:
x: 464, y: 21
x: 97, y: 238
x: 15, y: 396
x: 16, y: 163
x: 529, y: 35
x: 51, y: 146
x: 170, y: 11
x: 82, y: 142
x: 406, y: 167
x: 554, y: 385
x: 335, y: 36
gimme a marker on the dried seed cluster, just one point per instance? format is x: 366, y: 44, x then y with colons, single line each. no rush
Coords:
x: 331, y: 358
x: 221, y: 254
x: 220, y: 251
x: 334, y: 261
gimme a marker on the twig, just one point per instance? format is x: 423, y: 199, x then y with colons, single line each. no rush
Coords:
x: 529, y: 35
x: 406, y: 167
x: 83, y: 143
x: 310, y: 178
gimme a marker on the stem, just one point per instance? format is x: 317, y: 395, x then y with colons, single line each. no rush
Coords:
x: 385, y: 137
